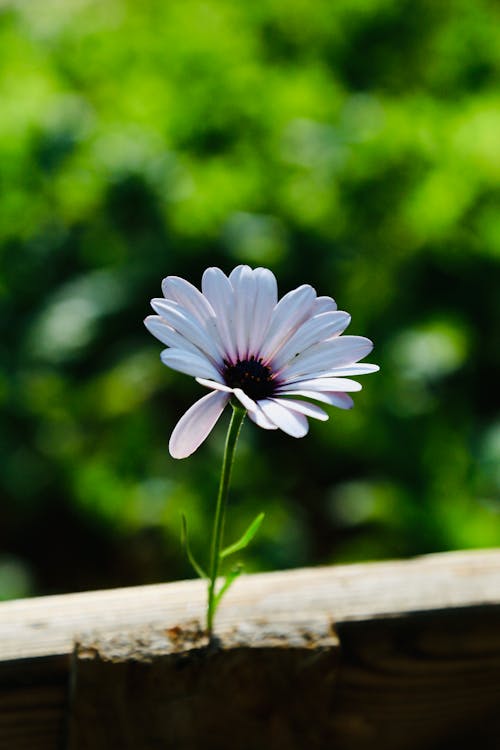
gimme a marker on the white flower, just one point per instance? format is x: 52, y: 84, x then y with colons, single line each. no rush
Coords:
x: 239, y: 341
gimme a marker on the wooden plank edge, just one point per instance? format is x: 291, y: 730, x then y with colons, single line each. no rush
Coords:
x: 48, y: 626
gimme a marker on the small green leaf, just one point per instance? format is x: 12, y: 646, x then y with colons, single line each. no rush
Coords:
x: 245, y: 539
x: 228, y: 581
x: 185, y: 543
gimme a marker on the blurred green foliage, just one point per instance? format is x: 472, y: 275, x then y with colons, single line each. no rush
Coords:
x: 353, y: 145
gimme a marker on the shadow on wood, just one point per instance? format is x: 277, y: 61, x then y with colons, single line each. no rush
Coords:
x: 432, y: 681
x: 426, y: 682
x: 254, y: 689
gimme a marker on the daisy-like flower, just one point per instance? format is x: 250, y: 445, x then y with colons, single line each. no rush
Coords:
x: 240, y: 342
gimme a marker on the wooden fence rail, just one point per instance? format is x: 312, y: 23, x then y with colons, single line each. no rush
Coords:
x: 393, y: 655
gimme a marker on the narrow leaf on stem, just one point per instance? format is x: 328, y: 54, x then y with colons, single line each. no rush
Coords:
x: 229, y: 579
x: 244, y: 540
x: 185, y: 543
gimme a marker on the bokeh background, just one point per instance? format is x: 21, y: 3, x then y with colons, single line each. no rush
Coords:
x: 353, y: 145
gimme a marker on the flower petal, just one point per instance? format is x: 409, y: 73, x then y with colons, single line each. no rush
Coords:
x: 327, y: 356
x: 312, y: 331
x: 244, y: 286
x: 185, y: 294
x: 348, y: 349
x: 196, y: 424
x: 214, y: 385
x: 290, y: 312
x: 303, y: 407
x: 291, y: 422
x: 324, y: 304
x: 188, y: 326
x: 166, y: 334
x: 266, y: 298
x: 245, y: 400
x: 218, y: 290
x: 190, y: 363
x: 341, y: 400
x: 360, y: 368
x: 261, y: 420
x: 324, y: 384
x: 194, y: 302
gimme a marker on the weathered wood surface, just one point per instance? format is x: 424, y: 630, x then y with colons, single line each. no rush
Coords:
x: 259, y: 687
x: 418, y: 665
x: 398, y: 684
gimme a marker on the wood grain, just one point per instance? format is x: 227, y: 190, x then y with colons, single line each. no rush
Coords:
x: 48, y: 625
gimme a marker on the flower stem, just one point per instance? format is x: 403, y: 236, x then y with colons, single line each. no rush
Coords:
x: 233, y: 432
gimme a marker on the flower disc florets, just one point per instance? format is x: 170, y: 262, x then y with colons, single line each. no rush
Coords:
x: 253, y: 377
x: 237, y: 339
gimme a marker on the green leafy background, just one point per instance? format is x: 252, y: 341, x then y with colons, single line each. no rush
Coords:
x: 353, y: 145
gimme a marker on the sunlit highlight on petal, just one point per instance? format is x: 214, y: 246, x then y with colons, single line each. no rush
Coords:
x: 242, y: 343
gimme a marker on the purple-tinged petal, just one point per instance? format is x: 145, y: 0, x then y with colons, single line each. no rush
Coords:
x: 185, y: 294
x: 291, y: 422
x: 166, y: 334
x: 218, y: 290
x: 196, y: 424
x: 197, y: 365
x: 237, y: 270
x: 341, y: 385
x: 360, y: 368
x: 290, y: 312
x: 266, y: 298
x: 327, y: 356
x: 261, y: 420
x: 214, y: 385
x: 341, y: 400
x: 313, y: 331
x: 324, y: 304
x: 249, y: 404
x: 188, y: 326
x: 246, y: 401
x: 349, y: 349
x: 303, y: 407
x: 244, y: 289
x: 196, y: 304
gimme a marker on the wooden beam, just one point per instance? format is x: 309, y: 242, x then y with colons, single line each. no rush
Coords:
x: 258, y: 687
x: 419, y: 654
x: 47, y: 626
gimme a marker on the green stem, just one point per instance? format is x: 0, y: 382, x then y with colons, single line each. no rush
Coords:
x: 215, y: 549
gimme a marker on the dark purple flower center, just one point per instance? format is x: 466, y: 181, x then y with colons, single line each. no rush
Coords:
x: 254, y: 378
